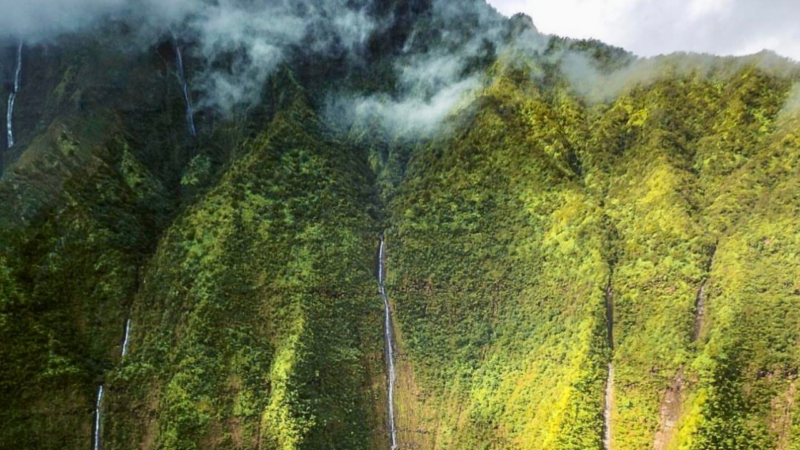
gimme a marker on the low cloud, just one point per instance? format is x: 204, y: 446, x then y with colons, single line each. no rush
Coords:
x: 239, y: 43
x: 435, y: 72
x: 41, y: 19
x: 792, y: 104
x: 597, y: 85
x: 235, y: 45
x: 408, y: 116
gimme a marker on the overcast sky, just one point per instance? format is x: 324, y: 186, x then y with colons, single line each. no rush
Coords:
x: 652, y: 27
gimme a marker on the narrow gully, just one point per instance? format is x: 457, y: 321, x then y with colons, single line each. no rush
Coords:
x: 700, y: 302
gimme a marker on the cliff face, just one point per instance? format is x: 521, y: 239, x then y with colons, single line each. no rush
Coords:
x: 516, y: 239
x: 576, y: 210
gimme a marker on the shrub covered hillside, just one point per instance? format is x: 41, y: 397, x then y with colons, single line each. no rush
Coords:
x: 256, y: 324
x: 80, y: 214
x: 584, y: 250
x: 545, y: 239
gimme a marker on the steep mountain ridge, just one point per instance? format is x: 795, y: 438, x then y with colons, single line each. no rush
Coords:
x: 537, y: 236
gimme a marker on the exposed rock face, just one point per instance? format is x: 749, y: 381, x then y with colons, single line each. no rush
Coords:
x: 669, y: 413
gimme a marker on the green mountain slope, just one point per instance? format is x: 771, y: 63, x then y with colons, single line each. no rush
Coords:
x: 576, y: 259
x: 518, y: 237
x: 256, y: 323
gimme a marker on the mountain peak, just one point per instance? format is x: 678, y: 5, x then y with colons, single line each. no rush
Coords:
x: 520, y: 22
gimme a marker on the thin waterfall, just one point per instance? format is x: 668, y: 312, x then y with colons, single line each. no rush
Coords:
x: 607, y: 408
x: 389, y: 340
x: 700, y: 302
x: 12, y: 97
x: 101, y: 390
x: 185, y: 89
x: 97, y: 416
x: 609, y: 398
x: 127, y: 335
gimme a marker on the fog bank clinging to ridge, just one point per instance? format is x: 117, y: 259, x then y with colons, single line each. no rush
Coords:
x: 250, y: 39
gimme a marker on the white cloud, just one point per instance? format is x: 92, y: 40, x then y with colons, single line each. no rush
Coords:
x: 698, y: 9
x: 236, y: 44
x: 652, y: 27
x: 408, y: 116
x: 32, y: 18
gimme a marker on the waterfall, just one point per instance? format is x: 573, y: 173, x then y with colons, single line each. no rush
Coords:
x: 608, y: 403
x: 97, y: 414
x: 101, y: 390
x: 389, y: 340
x: 12, y: 97
x: 185, y: 89
x: 607, y: 408
x: 700, y: 302
x: 127, y: 335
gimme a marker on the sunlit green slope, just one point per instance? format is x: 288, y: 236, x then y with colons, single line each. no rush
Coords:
x: 554, y: 226
x: 517, y: 235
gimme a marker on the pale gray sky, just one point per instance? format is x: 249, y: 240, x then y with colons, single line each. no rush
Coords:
x: 652, y: 27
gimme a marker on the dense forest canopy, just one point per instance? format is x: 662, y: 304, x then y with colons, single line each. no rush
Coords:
x: 584, y: 249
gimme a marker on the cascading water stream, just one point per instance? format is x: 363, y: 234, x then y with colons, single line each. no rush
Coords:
x: 127, y: 335
x: 609, y: 398
x: 12, y: 97
x: 607, y: 409
x: 185, y: 89
x: 700, y: 303
x: 97, y: 417
x: 389, y: 340
x: 101, y: 390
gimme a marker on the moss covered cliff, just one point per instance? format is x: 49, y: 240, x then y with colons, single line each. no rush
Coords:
x: 573, y: 262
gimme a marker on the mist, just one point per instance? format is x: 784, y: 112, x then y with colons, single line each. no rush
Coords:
x: 597, y: 85
x: 406, y: 117
x: 35, y: 20
x: 232, y: 46
x: 791, y: 106
x: 251, y: 39
x: 441, y: 66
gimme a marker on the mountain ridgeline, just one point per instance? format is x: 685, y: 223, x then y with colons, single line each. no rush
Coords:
x: 422, y: 226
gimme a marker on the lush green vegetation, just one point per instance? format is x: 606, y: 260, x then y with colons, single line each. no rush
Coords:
x: 509, y: 235
x: 246, y: 260
x: 70, y: 245
x: 257, y: 324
